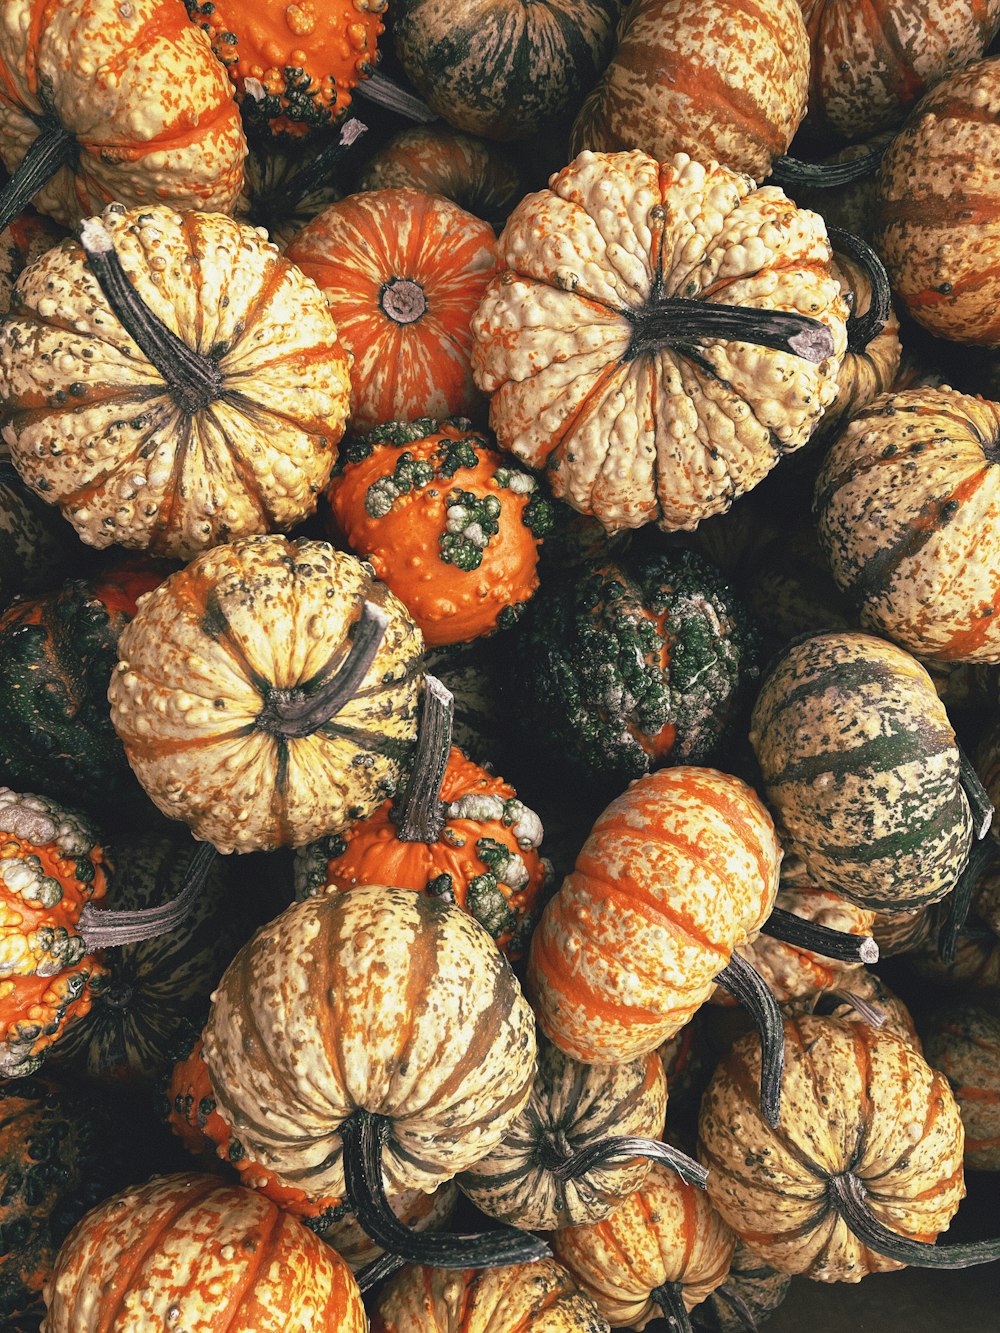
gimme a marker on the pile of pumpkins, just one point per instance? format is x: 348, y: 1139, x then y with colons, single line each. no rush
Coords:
x: 371, y: 429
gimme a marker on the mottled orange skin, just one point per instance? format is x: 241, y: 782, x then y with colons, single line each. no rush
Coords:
x: 964, y: 1043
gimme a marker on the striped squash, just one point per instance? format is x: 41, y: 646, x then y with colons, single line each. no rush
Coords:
x: 860, y: 763
x: 677, y: 872
x: 964, y: 1043
x: 908, y: 511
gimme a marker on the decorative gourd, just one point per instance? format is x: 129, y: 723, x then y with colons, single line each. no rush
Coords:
x: 445, y: 521
x: 964, y: 1043
x: 191, y: 1252
x: 36, y: 547
x: 906, y: 502
x: 935, y: 214
x: 621, y: 667
x: 860, y: 763
x: 531, y: 1298
x: 414, y: 1208
x: 293, y: 66
x: 470, y: 675
x: 503, y: 69
x: 50, y: 868
x: 653, y: 393
x: 27, y: 237
x: 199, y: 397
x: 750, y: 1286
x: 403, y: 272
x: 105, y: 102
x: 668, y: 90
x: 899, y: 932
x: 241, y: 696
x: 661, y: 1252
x: 370, y: 1035
x: 791, y: 592
x: 476, y: 175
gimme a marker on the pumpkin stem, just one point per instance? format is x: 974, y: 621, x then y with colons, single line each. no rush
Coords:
x: 419, y: 812
x: 871, y: 1013
x: 981, y: 855
x: 670, y: 1299
x: 742, y: 980
x: 733, y: 1299
x: 676, y: 322
x: 571, y: 1167
x: 829, y: 943
x: 298, y: 712
x: 53, y: 148
x: 862, y: 329
x: 364, y: 1135
x: 976, y: 794
x: 383, y: 91
x: 104, y: 929
x: 273, y: 206
x: 793, y: 171
x: 850, y: 1199
x: 194, y: 380
x: 378, y: 1270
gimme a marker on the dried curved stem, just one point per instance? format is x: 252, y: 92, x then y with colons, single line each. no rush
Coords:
x: 383, y: 91
x: 378, y: 1270
x: 871, y: 1013
x: 745, y: 983
x: 863, y: 329
x: 106, y: 928
x: 792, y: 929
x: 959, y: 900
x: 738, y: 1304
x: 419, y: 813
x: 53, y: 148
x: 677, y: 322
x: 825, y: 175
x: 976, y: 794
x: 625, y: 1147
x: 670, y: 1299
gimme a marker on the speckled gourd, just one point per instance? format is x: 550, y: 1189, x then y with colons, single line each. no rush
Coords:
x: 964, y: 1043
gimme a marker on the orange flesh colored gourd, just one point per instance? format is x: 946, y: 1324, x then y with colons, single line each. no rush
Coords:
x: 677, y: 872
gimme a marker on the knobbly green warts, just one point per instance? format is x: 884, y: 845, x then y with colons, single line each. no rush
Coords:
x: 409, y: 474
x: 471, y: 521
x: 485, y: 901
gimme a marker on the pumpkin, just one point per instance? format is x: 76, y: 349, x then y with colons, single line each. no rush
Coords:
x: 871, y: 62
x: 171, y: 382
x: 403, y: 272
x: 476, y: 175
x: 189, y: 1251
x: 531, y: 1298
x: 905, y: 501
x: 668, y: 89
x: 866, y: 987
x: 266, y: 693
x: 791, y: 592
x: 860, y: 763
x: 503, y: 69
x: 656, y: 393
x: 663, y: 1250
x: 621, y: 667
x: 751, y: 1286
x: 102, y: 102
x: 36, y: 547
x: 368, y: 1035
x: 50, y: 867
x: 446, y: 523
x: 293, y: 66
x: 27, y: 237
x: 469, y: 674
x: 56, y: 654
x: 964, y: 1044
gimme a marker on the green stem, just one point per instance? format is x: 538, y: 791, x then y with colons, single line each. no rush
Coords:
x: 53, y: 148
x: 850, y: 1198
x: 976, y: 794
x: 419, y: 813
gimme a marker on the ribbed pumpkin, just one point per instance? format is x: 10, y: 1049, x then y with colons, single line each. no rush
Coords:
x: 650, y: 391
x: 191, y: 1252
x: 36, y: 547
x: 908, y: 505
x: 446, y: 523
x: 757, y: 1286
x: 663, y: 1247
x: 172, y: 382
x: 531, y: 1298
x: 228, y: 676
x: 677, y: 873
x: 964, y: 1043
x: 403, y: 272
x: 669, y: 90
x: 50, y: 868
x: 28, y: 236
x: 860, y: 763
x: 503, y: 69
x: 103, y: 101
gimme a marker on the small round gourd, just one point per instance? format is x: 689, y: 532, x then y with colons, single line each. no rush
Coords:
x: 964, y: 1043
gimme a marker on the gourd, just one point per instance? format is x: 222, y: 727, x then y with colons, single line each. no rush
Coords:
x: 446, y: 523
x: 403, y: 272
x: 266, y: 693
x: 469, y: 672
x: 751, y: 1287
x: 963, y: 1042
x: 102, y: 102
x: 28, y: 236
x: 36, y: 547
x: 191, y: 1251
x: 656, y: 393
x: 199, y: 394
x: 906, y: 503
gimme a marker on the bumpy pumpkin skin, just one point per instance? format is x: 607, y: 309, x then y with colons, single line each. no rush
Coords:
x: 50, y: 868
x: 906, y: 501
x: 139, y: 87
x: 486, y: 858
x: 27, y: 237
x: 198, y: 664
x: 531, y: 1298
x: 222, y: 1257
x: 853, y: 1099
x: 403, y: 272
x: 666, y: 1231
x: 668, y: 91
x: 691, y: 846
x: 860, y: 764
x: 285, y: 1095
x: 649, y: 437
x: 964, y: 1043
x: 571, y: 1107
x: 93, y: 427
x: 446, y: 523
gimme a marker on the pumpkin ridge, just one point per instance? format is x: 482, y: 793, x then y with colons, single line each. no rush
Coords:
x: 573, y: 987
x: 740, y: 1073
x: 99, y: 479
x: 934, y: 1105
x: 264, y: 1238
x: 875, y: 754
x: 164, y: 141
x: 244, y: 470
x: 414, y: 1005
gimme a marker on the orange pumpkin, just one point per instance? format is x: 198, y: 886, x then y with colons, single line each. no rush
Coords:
x: 403, y: 272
